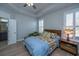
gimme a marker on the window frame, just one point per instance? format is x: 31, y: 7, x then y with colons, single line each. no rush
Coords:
x: 40, y: 26
x: 74, y: 25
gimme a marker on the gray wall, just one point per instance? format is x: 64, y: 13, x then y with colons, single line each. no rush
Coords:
x: 55, y: 20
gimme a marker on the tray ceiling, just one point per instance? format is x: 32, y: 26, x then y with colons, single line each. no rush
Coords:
x: 42, y: 8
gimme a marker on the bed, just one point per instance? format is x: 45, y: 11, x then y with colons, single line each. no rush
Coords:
x: 44, y: 44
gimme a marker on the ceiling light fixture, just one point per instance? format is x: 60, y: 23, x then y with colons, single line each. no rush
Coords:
x: 30, y: 4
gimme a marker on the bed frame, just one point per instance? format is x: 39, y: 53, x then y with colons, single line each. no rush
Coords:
x: 58, y: 32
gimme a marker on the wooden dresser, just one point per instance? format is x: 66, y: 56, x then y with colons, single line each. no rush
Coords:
x: 69, y: 46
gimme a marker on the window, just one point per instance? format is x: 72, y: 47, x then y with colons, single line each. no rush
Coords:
x: 41, y: 25
x: 72, y: 21
x: 69, y: 19
x: 77, y: 24
x: 68, y: 25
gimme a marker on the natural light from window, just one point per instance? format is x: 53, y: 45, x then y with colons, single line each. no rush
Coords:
x: 72, y: 21
x: 77, y: 24
x: 41, y: 25
x: 69, y: 19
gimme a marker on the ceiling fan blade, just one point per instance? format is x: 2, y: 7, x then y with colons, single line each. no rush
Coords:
x: 25, y: 5
x: 34, y: 6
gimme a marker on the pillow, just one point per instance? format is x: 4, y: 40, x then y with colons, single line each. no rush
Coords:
x: 58, y: 37
x: 44, y: 34
x: 48, y: 35
x: 52, y: 35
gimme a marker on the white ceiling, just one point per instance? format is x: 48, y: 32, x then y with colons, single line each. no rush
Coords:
x: 42, y: 8
x: 30, y: 9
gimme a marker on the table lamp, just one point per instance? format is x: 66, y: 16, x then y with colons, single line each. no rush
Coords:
x: 68, y: 32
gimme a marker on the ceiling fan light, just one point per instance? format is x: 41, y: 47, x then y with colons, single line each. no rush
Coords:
x: 29, y: 4
x: 25, y: 5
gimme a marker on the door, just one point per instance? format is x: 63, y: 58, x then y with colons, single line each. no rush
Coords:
x: 12, y: 31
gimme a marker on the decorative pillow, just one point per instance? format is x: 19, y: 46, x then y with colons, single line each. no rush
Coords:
x: 44, y: 34
x: 52, y: 35
x: 48, y: 35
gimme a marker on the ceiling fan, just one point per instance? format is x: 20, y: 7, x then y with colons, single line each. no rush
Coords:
x: 30, y: 5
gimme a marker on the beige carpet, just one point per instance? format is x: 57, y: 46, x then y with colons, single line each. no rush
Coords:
x: 19, y: 50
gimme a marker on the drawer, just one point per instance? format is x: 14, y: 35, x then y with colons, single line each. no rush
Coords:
x: 72, y: 50
x: 68, y: 45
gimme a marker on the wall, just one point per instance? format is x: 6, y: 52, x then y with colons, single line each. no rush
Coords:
x: 55, y: 20
x: 25, y: 25
x: 4, y: 14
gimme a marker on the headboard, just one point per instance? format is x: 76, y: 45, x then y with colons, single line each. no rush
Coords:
x: 58, y: 32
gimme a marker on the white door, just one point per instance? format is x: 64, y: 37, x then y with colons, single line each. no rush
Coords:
x: 12, y: 31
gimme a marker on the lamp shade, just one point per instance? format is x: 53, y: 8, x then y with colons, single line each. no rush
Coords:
x: 68, y: 32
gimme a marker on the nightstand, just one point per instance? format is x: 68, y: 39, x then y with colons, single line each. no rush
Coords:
x: 69, y: 46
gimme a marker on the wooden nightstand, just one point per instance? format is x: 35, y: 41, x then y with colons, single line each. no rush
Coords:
x: 69, y: 46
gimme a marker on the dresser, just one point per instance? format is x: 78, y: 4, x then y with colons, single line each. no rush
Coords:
x: 69, y: 46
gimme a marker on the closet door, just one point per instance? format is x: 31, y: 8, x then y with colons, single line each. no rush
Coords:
x: 12, y: 31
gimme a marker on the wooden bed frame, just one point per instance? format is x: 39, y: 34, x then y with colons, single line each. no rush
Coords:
x: 58, y: 32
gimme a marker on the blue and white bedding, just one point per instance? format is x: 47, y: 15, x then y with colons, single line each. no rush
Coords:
x: 57, y: 38
x: 36, y: 46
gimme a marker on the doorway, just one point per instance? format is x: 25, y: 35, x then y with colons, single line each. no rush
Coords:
x: 3, y: 32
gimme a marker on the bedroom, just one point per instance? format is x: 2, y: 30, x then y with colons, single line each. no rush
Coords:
x: 51, y: 17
